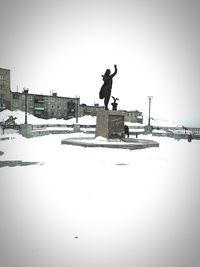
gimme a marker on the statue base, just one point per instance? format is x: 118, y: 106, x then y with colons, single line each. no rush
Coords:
x: 77, y: 128
x: 148, y: 129
x: 26, y: 130
x: 110, y: 124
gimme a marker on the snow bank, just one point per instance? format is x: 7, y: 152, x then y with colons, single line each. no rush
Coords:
x: 20, y: 118
x: 160, y: 122
x: 85, y: 120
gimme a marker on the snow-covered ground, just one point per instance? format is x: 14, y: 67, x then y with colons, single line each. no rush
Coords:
x: 66, y: 206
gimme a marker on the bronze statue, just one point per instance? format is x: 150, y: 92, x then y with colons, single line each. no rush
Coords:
x: 105, y: 91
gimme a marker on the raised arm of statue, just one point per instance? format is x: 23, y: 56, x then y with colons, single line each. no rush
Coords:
x: 115, y: 72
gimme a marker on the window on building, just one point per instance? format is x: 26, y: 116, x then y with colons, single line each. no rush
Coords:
x: 15, y: 96
x: 2, y: 86
x: 2, y: 77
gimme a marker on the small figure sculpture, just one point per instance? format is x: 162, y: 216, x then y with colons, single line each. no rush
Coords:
x: 189, y: 137
x: 126, y: 130
x: 114, y: 104
x: 10, y: 121
x: 105, y: 91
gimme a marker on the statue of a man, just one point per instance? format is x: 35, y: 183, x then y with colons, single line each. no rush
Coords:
x: 105, y: 91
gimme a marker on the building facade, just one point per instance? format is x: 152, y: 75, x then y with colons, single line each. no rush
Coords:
x: 46, y: 106
x: 130, y: 116
x: 133, y: 116
x: 89, y: 110
x: 5, y: 92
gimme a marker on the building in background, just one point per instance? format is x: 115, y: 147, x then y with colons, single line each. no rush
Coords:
x: 130, y: 116
x: 46, y: 106
x: 54, y: 106
x: 5, y: 92
x: 133, y: 116
x: 89, y: 110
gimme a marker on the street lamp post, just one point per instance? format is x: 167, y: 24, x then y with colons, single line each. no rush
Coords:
x: 77, y: 98
x: 26, y: 98
x: 76, y: 125
x: 149, y: 97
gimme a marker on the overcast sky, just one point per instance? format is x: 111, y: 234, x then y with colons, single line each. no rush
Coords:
x: 66, y: 45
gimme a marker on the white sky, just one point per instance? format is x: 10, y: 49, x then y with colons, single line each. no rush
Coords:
x: 66, y: 46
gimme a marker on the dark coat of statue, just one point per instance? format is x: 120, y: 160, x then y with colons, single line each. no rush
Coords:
x: 105, y: 91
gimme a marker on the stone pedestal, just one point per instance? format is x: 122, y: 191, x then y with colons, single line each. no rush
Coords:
x: 77, y: 128
x: 148, y: 129
x: 26, y: 130
x: 110, y: 124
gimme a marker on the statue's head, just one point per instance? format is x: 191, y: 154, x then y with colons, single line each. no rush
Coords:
x: 107, y: 72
